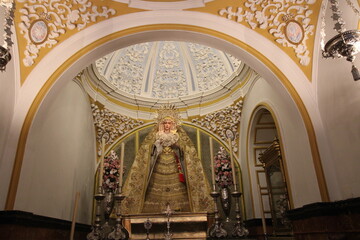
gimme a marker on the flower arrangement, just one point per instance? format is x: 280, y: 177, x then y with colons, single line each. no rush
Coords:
x: 111, y: 172
x: 223, y: 171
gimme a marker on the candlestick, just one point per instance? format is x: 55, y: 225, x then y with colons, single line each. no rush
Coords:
x: 121, y: 163
x: 102, y: 162
x: 262, y: 211
x: 212, y: 161
x: 74, y: 216
x: 232, y: 163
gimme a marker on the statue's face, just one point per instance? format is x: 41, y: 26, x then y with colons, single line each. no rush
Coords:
x: 167, y: 125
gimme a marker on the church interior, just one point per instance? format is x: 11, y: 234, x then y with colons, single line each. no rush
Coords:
x: 179, y: 119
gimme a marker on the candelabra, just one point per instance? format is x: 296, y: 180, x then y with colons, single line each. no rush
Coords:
x: 168, y: 212
x: 346, y: 44
x: 216, y: 230
x: 147, y: 225
x: 5, y: 55
x: 119, y: 231
x: 239, y: 228
x: 96, y: 233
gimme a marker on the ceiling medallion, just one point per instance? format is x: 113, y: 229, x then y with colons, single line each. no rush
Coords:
x: 38, y: 31
x: 44, y: 22
x: 294, y: 32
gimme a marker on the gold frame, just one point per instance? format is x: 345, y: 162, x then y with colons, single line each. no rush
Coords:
x: 47, y: 31
x: 302, y: 30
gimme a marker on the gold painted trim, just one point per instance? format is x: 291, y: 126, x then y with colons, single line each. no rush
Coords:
x: 10, y: 201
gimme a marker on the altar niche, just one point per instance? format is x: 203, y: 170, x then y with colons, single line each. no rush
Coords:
x: 194, y: 144
x: 166, y: 169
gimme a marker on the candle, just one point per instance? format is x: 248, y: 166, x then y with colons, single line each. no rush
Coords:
x: 121, y: 163
x: 262, y: 211
x: 102, y: 162
x: 212, y: 161
x: 232, y: 163
x: 74, y: 216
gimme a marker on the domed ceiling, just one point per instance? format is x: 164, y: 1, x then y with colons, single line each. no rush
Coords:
x: 153, y: 73
x: 166, y: 70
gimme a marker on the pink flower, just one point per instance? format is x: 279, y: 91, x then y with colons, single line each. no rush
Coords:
x: 111, y: 172
x: 223, y: 169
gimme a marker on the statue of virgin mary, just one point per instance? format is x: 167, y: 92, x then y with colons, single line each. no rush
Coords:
x: 166, y: 171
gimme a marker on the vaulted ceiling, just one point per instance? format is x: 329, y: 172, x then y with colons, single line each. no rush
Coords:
x: 152, y: 73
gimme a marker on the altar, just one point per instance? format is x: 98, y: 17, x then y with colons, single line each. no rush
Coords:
x: 182, y: 225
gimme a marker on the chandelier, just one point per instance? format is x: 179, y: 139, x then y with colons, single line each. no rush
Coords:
x: 5, y: 56
x: 346, y: 44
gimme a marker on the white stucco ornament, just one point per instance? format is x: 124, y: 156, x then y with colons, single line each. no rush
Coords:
x: 110, y: 125
x: 287, y: 20
x: 42, y: 22
x: 223, y: 123
x: 167, y: 69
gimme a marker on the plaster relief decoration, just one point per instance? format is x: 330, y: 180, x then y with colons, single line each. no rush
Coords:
x: 110, y: 125
x: 128, y: 74
x: 167, y: 69
x: 223, y: 123
x: 287, y: 20
x: 38, y: 31
x: 170, y: 80
x: 44, y: 21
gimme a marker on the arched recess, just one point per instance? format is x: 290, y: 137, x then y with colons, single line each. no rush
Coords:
x: 72, y: 55
x: 296, y: 145
x: 262, y: 133
x: 200, y: 137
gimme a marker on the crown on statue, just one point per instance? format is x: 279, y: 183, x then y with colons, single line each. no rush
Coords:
x: 168, y: 112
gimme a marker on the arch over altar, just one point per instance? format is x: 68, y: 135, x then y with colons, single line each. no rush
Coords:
x: 198, y: 143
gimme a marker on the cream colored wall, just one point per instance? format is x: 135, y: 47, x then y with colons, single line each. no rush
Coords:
x: 9, y: 85
x: 59, y: 157
x: 7, y: 103
x: 297, y: 153
x: 339, y: 104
